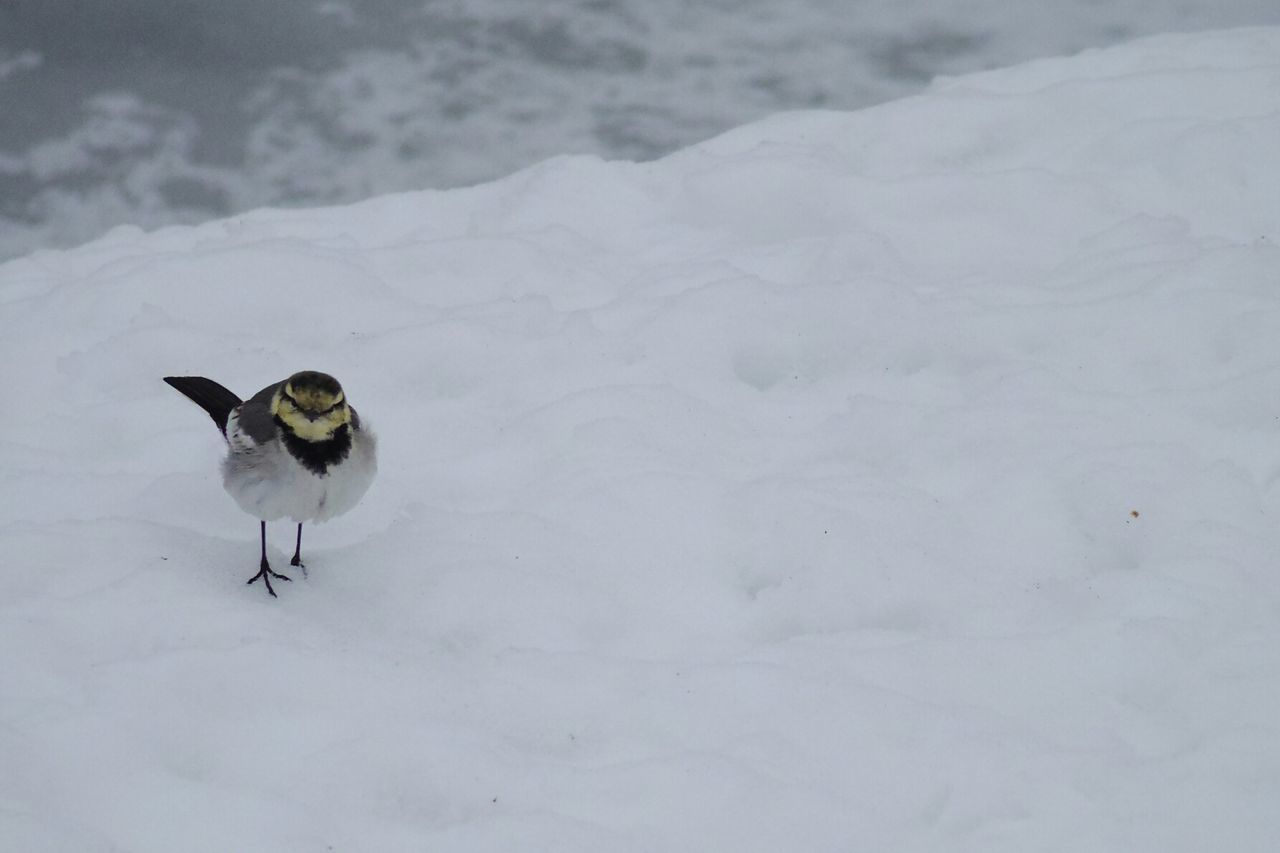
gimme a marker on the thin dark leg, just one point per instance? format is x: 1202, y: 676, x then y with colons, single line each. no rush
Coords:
x: 264, y: 568
x: 297, y: 552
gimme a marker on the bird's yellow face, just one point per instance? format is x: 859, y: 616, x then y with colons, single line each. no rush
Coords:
x: 311, y: 405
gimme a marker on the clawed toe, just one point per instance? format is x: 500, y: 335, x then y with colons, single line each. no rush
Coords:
x: 267, y: 574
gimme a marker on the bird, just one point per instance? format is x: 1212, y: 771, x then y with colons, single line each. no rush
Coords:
x: 295, y: 449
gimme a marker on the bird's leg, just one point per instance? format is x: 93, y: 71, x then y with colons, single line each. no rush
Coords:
x: 297, y: 553
x: 264, y: 568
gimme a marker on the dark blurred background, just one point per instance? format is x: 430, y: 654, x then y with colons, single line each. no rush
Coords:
x: 151, y: 112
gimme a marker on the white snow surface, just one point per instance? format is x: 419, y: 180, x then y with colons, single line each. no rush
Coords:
x: 903, y: 479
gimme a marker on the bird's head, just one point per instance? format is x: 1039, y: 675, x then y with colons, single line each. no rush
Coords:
x: 311, y: 405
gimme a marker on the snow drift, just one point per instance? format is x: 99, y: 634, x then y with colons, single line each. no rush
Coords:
x: 894, y: 480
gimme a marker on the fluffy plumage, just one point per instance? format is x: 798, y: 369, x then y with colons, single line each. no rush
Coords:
x: 296, y: 449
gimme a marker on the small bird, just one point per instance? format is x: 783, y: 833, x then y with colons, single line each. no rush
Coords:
x: 296, y: 449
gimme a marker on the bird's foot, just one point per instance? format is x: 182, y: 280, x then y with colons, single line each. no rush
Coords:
x: 297, y: 561
x: 267, y: 574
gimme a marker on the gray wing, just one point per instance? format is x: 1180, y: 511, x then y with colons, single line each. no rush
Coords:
x: 364, y: 444
x: 254, y: 415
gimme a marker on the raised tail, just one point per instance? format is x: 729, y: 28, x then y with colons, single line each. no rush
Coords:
x: 208, y: 395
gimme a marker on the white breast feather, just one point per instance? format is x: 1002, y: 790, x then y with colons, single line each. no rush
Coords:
x: 270, y: 484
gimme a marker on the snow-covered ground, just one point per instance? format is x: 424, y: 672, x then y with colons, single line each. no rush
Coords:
x: 896, y: 480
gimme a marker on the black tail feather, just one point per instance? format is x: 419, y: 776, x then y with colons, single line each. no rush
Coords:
x: 208, y: 395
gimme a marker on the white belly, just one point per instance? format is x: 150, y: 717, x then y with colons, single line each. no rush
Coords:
x: 270, y: 484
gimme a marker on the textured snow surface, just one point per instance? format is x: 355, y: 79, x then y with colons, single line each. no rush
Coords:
x: 898, y: 480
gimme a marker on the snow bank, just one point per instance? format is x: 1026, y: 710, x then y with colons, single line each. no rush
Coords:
x: 895, y: 480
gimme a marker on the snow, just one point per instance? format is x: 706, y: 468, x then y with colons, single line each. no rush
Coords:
x: 902, y: 479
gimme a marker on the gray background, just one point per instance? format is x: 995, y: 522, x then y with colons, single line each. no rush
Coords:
x: 151, y: 112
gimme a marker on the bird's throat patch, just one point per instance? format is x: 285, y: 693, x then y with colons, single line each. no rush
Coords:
x: 317, y: 456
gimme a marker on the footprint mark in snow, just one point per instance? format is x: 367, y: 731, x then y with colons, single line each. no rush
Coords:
x: 760, y: 368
